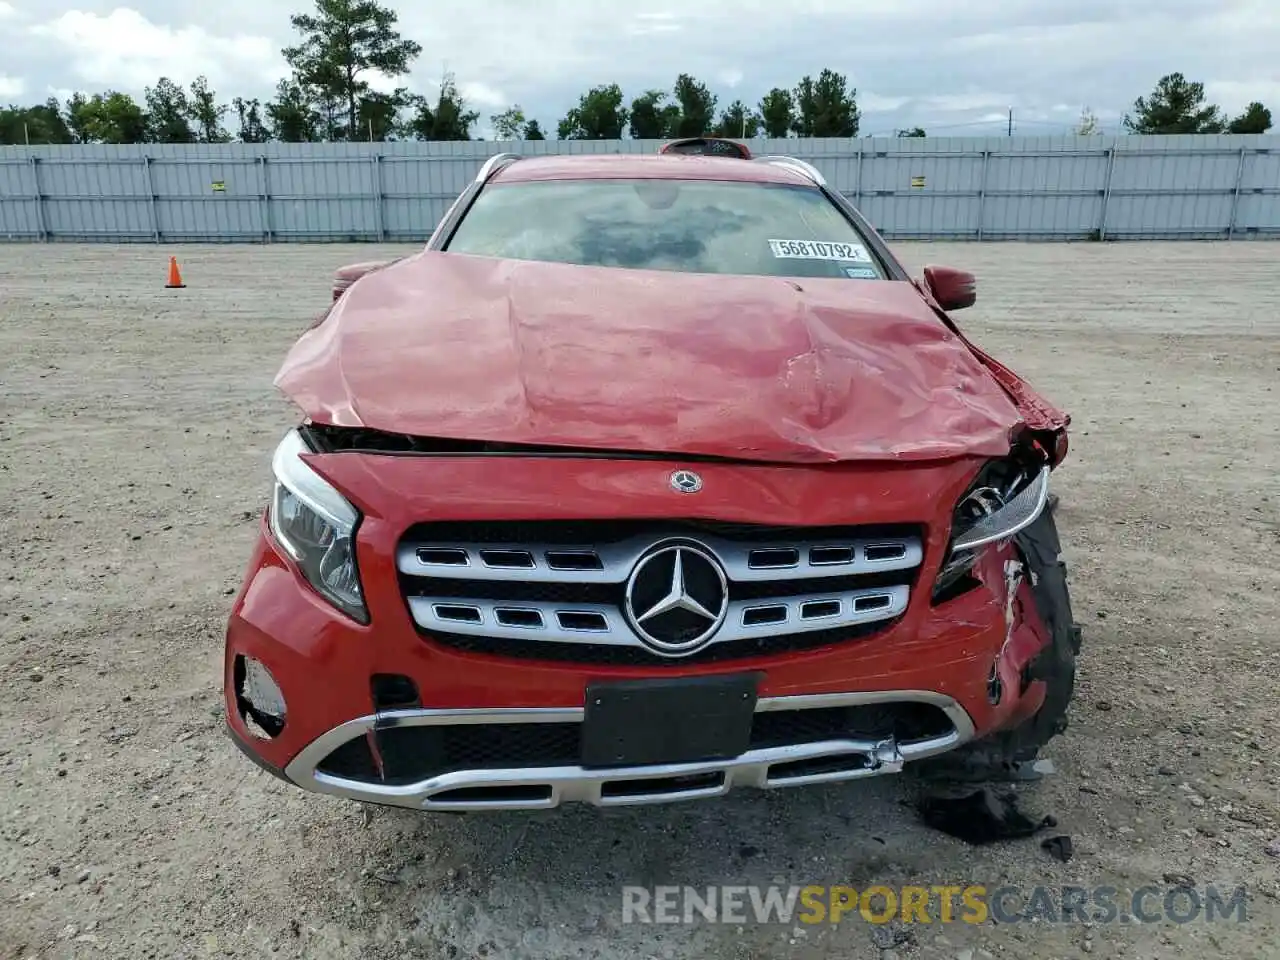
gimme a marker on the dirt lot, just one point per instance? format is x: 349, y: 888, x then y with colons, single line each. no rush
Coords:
x: 136, y: 426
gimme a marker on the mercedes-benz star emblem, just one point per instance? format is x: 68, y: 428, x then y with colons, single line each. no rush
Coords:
x: 686, y: 481
x: 677, y: 597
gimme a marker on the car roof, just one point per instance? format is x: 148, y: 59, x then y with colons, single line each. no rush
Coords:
x: 634, y: 166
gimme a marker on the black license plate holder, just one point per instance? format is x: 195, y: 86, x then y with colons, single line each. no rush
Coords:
x: 632, y: 723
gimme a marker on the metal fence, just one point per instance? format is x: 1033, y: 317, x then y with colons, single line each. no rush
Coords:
x: 1032, y: 188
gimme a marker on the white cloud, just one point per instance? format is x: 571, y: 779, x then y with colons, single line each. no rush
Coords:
x: 878, y: 103
x: 644, y: 24
x: 1234, y: 95
x: 648, y: 29
x: 380, y: 82
x: 931, y: 63
x: 730, y: 78
x: 11, y: 86
x: 479, y: 94
x: 961, y: 102
x: 126, y: 49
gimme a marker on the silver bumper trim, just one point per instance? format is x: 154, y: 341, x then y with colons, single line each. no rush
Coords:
x: 540, y: 788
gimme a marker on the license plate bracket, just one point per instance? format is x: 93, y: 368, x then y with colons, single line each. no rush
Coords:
x: 668, y: 720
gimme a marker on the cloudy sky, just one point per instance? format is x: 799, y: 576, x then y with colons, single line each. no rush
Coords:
x: 950, y: 66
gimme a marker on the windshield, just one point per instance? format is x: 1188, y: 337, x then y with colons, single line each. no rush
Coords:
x: 693, y: 226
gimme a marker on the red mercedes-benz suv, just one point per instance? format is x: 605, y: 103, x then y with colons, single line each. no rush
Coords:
x: 649, y: 477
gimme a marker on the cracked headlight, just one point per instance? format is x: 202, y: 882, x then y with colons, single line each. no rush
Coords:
x: 1006, y: 497
x: 316, y: 526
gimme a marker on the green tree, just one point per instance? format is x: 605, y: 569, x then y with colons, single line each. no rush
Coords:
x: 738, y: 121
x: 207, y: 113
x: 1175, y: 106
x: 378, y: 114
x: 334, y: 120
x: 599, y: 115
x: 292, y: 115
x: 532, y: 131
x: 697, y: 107
x: 652, y: 118
x: 168, y: 113
x: 913, y: 132
x: 1255, y: 119
x: 509, y: 124
x: 1087, y: 125
x: 341, y: 43
x: 110, y: 117
x: 777, y: 113
x: 13, y: 122
x: 77, y: 117
x: 449, y: 119
x: 43, y: 123
x: 251, y: 126
x: 826, y: 107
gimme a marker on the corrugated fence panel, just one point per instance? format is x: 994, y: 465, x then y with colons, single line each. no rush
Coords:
x: 19, y: 207
x: 1202, y: 176
x: 98, y: 198
x: 939, y: 187
x: 198, y: 196
x: 1259, y: 202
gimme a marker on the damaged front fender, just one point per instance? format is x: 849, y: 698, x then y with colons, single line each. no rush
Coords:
x: 1041, y: 647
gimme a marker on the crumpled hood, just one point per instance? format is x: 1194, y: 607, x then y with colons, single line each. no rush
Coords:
x: 758, y: 368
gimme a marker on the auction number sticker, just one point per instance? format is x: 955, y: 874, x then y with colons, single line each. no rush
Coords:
x: 819, y: 250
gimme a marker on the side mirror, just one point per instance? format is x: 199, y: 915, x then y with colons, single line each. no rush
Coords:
x: 953, y: 289
x: 344, y: 277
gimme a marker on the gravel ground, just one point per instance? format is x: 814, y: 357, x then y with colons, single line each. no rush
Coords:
x: 136, y: 426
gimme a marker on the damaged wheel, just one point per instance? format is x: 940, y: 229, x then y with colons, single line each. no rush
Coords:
x: 1010, y: 753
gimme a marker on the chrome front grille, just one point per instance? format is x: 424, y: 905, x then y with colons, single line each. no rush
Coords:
x: 577, y: 583
x: 613, y: 562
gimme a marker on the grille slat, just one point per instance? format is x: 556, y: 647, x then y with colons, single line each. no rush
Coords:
x: 507, y: 559
x: 519, y: 617
x: 773, y: 558
x: 831, y: 556
x: 574, y: 560
x: 447, y: 557
x: 458, y: 613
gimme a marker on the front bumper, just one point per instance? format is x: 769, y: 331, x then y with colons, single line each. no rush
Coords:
x: 943, y: 657
x: 535, y: 788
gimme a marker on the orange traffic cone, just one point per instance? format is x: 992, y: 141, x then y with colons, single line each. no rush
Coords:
x: 175, y: 276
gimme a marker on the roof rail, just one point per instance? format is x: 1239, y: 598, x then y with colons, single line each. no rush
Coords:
x: 806, y: 170
x: 494, y: 163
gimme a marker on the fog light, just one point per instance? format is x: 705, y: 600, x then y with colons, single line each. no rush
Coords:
x: 260, y: 698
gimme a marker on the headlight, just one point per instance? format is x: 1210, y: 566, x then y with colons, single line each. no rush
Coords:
x: 316, y: 526
x: 1006, y: 497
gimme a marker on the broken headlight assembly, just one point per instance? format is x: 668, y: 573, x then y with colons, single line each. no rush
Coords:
x: 316, y: 526
x: 1006, y: 497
